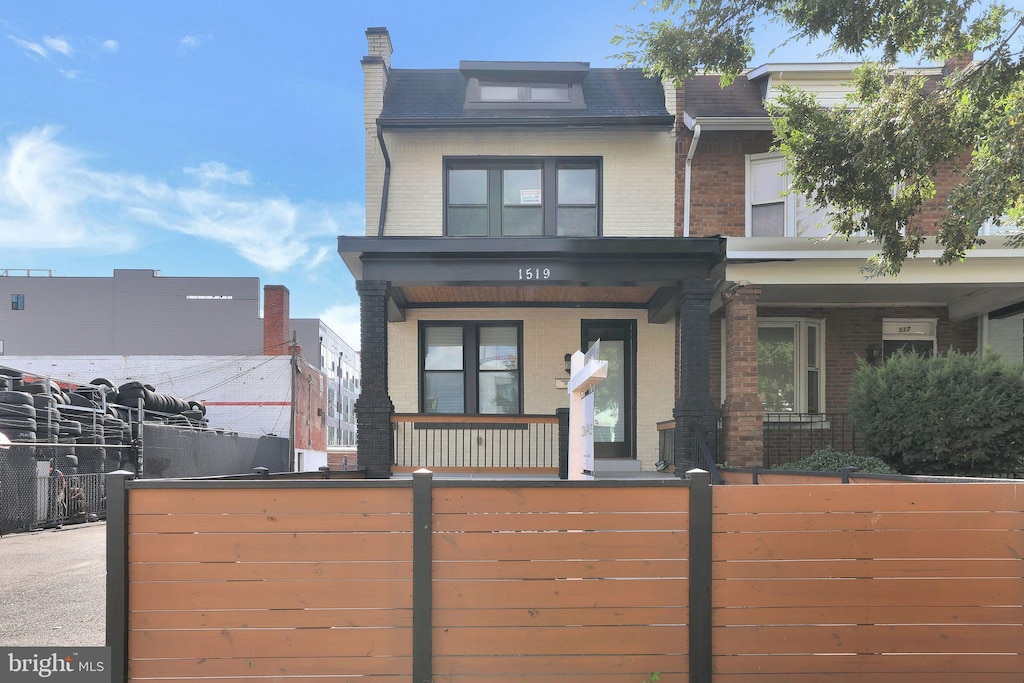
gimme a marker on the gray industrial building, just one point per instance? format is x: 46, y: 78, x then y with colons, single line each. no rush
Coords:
x: 139, y: 313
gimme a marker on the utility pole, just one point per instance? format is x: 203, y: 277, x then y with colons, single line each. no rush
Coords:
x: 291, y: 424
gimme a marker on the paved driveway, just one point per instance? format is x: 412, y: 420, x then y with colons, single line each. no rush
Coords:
x: 53, y: 587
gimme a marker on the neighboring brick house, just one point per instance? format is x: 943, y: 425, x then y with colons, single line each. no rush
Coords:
x: 516, y: 212
x: 795, y: 314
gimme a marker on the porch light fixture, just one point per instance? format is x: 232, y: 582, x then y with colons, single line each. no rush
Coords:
x: 873, y: 354
x: 568, y: 363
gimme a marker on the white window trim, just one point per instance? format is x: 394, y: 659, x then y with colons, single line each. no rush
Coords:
x: 930, y: 334
x: 748, y: 192
x: 800, y: 365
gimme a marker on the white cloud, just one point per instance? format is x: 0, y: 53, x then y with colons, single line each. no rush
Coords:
x: 29, y: 47
x: 110, y: 45
x: 321, y: 255
x: 189, y: 42
x: 50, y: 197
x: 58, y: 45
x: 68, y: 73
x: 212, y: 172
x: 344, y: 320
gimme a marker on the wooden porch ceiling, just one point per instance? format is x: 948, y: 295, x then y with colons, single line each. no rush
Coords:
x: 550, y: 294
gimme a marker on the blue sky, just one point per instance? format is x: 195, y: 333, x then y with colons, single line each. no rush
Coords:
x: 224, y: 138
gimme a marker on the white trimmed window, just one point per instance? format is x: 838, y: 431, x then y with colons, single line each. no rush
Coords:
x: 791, y: 365
x: 769, y: 212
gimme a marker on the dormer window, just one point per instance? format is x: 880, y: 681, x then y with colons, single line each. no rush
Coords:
x: 524, y: 85
x: 493, y: 92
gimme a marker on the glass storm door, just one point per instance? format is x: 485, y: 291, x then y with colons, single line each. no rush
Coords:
x: 615, y: 397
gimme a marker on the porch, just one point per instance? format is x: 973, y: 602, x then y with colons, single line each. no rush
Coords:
x: 463, y: 345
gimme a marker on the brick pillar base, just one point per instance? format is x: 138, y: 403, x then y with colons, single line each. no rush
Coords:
x: 742, y: 432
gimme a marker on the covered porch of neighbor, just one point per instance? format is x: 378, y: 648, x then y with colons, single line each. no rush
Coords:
x: 464, y: 343
x: 791, y: 327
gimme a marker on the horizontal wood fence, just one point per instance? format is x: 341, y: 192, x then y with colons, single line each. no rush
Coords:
x: 430, y: 581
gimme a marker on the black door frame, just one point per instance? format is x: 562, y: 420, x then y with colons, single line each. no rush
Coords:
x: 619, y: 330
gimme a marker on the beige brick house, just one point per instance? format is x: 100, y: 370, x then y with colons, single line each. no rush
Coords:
x: 518, y: 212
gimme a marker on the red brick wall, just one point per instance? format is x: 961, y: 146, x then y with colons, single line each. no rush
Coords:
x: 310, y: 409
x: 276, y: 317
x: 949, y: 175
x: 850, y: 331
x: 717, y: 181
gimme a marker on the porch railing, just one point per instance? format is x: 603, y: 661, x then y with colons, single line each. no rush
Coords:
x: 475, y: 441
x: 707, y: 445
x: 793, y: 436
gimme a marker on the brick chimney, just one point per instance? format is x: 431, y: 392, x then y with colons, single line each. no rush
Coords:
x: 276, y: 321
x: 376, y: 69
x: 958, y: 62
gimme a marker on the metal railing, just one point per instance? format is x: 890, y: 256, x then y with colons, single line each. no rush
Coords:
x: 793, y: 436
x: 706, y: 444
x: 475, y: 441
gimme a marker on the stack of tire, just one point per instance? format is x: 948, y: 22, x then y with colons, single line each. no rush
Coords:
x: 17, y: 462
x: 162, y: 407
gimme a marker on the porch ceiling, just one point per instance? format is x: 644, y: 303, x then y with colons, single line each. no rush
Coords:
x: 547, y: 271
x: 554, y: 294
x: 963, y: 300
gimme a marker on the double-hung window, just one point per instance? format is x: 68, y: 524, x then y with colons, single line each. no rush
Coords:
x: 770, y: 212
x: 790, y: 362
x: 522, y: 197
x: 471, y: 367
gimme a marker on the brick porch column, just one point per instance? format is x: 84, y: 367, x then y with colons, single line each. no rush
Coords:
x: 743, y: 412
x: 374, y: 438
x: 693, y: 358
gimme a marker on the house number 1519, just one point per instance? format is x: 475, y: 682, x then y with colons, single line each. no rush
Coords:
x: 534, y: 273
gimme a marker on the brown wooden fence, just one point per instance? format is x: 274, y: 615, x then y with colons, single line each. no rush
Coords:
x: 557, y: 582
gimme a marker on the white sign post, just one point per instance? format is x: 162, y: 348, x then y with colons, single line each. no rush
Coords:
x: 586, y: 370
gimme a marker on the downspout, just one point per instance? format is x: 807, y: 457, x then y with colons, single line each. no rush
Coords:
x: 387, y: 181
x: 686, y: 182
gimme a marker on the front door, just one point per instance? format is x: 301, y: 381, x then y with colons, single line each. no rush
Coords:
x: 615, y: 397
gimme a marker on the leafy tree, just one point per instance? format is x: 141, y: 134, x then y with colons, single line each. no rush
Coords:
x: 872, y: 162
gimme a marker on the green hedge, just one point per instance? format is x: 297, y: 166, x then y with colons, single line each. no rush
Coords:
x: 944, y: 415
x: 830, y: 460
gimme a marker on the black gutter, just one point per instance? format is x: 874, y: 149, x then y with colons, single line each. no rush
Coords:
x: 387, y: 181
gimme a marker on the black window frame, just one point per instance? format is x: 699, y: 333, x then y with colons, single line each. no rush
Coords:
x: 470, y: 362
x: 17, y: 302
x: 549, y: 167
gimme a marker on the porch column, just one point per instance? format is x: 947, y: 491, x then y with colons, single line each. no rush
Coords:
x: 374, y: 438
x: 743, y: 412
x: 693, y: 357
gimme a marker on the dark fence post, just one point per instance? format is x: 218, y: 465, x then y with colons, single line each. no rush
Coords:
x: 117, y: 572
x: 563, y: 442
x: 700, y: 576
x: 422, y: 558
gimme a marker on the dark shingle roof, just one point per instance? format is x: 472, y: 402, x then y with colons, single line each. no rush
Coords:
x: 612, y: 96
x: 706, y: 97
